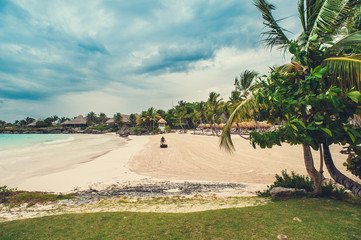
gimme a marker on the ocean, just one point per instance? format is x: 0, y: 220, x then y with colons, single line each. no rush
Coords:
x: 9, y: 141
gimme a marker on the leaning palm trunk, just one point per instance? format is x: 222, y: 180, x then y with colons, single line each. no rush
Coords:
x: 316, y: 176
x: 349, y: 184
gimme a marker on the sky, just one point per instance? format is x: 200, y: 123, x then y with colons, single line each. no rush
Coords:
x: 66, y: 57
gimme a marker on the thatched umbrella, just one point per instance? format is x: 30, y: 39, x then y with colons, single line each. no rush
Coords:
x: 221, y: 126
x: 207, y: 126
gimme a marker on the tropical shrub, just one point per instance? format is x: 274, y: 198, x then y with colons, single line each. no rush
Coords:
x: 302, y: 182
x: 168, y: 129
x: 5, y: 191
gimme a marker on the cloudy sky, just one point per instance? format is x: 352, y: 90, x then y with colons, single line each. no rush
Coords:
x: 66, y: 57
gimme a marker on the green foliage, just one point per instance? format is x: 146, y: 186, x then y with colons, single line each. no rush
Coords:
x: 302, y: 182
x: 138, y: 129
x: 102, y: 127
x: 168, y: 129
x: 156, y: 130
x: 133, y: 119
x: 353, y: 161
x: 289, y: 181
x: 330, y: 189
x: 312, y: 115
x: 5, y: 192
x: 12, y: 197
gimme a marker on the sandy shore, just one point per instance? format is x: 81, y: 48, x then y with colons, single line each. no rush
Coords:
x: 198, y: 157
x: 89, y: 160
x: 98, y: 161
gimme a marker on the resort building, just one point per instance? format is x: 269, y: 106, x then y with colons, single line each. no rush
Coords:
x: 162, y: 124
x: 33, y: 124
x: 79, y: 121
x: 110, y: 122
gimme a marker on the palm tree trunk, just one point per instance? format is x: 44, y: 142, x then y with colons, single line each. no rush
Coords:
x: 316, y: 176
x: 349, y: 184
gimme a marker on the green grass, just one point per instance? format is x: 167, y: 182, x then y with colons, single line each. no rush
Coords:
x: 321, y: 219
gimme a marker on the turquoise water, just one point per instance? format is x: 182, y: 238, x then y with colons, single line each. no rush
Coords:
x: 23, y: 140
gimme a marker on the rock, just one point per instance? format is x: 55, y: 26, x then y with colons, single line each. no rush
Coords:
x: 284, y: 193
x: 282, y: 236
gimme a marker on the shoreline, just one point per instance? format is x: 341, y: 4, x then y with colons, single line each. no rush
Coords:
x: 100, y: 161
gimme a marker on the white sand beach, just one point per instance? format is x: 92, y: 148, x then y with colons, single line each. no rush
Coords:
x: 101, y: 160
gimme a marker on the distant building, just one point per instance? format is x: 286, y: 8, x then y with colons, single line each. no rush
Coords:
x: 33, y: 124
x: 79, y: 121
x: 125, y: 119
x: 110, y: 122
x: 162, y: 124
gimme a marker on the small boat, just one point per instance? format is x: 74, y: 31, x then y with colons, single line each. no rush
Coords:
x: 163, y: 145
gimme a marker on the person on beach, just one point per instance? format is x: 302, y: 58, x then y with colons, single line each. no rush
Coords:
x: 162, y: 140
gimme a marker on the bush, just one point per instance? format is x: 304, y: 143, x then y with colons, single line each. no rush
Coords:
x: 5, y: 192
x: 168, y: 129
x: 330, y: 189
x: 137, y: 129
x: 100, y: 127
x: 156, y: 130
x: 301, y: 182
x: 294, y: 181
x: 12, y: 197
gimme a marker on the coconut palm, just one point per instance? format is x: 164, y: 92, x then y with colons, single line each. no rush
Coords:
x: 324, y: 41
x: 214, y: 104
x: 201, y: 108
x: 244, y: 83
x: 132, y: 119
x: 118, y: 119
x: 91, y: 117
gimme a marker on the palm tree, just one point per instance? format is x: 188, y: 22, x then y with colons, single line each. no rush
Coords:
x: 201, y: 109
x: 91, y: 118
x: 214, y: 104
x: 152, y: 116
x: 181, y: 112
x: 323, y: 42
x: 245, y: 82
x: 118, y: 119
x: 102, y: 118
x: 133, y: 119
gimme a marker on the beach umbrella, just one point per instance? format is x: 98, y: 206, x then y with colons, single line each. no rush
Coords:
x: 242, y: 125
x: 207, y: 126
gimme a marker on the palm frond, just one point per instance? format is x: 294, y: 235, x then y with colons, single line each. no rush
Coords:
x: 351, y: 41
x: 275, y: 36
x: 344, y: 72
x: 301, y: 14
x: 290, y: 67
x: 241, y: 111
x: 245, y: 80
x: 327, y: 16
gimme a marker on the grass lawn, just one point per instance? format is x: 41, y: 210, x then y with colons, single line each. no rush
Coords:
x: 321, y: 219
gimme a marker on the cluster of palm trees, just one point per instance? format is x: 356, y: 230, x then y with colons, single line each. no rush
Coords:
x: 190, y: 115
